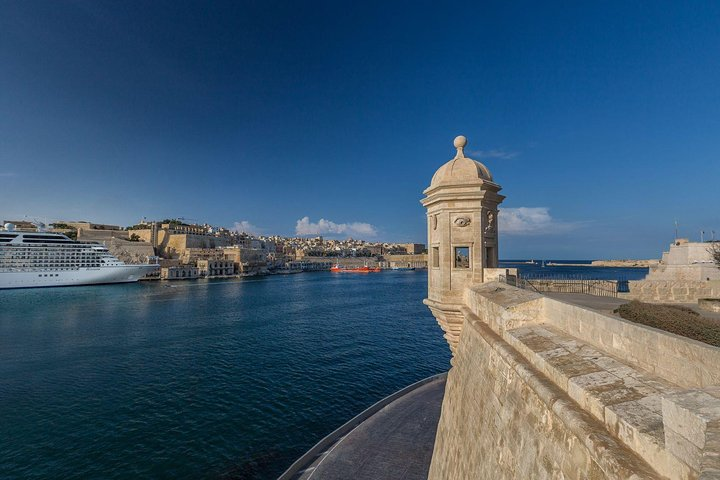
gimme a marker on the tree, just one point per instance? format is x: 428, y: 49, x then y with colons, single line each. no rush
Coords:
x: 714, y: 251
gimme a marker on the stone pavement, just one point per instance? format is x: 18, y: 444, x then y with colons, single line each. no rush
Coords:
x: 394, y: 443
x: 601, y: 304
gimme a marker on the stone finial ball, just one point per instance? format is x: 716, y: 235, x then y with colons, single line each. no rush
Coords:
x: 460, y: 141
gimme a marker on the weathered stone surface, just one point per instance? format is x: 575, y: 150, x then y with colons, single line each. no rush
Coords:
x: 691, y: 413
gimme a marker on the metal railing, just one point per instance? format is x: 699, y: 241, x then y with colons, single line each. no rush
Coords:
x: 567, y: 284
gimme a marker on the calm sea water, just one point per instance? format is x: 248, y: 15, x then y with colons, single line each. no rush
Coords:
x: 205, y: 379
x: 602, y: 273
x: 202, y: 379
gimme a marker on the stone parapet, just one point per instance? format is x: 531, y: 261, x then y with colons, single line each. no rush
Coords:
x: 544, y: 389
x: 673, y: 291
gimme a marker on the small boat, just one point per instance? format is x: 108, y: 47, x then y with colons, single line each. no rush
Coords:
x: 403, y: 269
x: 364, y: 269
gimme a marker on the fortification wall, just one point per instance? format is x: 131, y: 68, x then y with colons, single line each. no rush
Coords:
x: 500, y: 420
x: 130, y: 252
x: 543, y: 389
x: 673, y: 291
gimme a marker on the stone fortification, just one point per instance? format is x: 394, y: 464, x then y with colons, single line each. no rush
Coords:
x: 118, y: 243
x: 169, y: 244
x: 685, y: 274
x: 130, y: 252
x: 673, y: 291
x: 542, y: 389
x: 685, y: 261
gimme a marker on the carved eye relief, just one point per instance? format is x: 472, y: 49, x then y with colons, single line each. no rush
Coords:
x: 434, y: 222
x: 462, y: 221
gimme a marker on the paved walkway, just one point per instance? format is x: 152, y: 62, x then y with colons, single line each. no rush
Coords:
x: 601, y: 304
x: 395, y: 443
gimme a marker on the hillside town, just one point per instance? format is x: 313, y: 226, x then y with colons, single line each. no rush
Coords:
x: 189, y: 250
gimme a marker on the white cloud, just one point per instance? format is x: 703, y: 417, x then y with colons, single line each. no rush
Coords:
x: 495, y: 153
x: 531, y: 221
x: 247, y: 227
x: 355, y: 229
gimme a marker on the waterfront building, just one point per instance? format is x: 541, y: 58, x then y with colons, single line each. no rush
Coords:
x: 308, y: 266
x: 407, y: 261
x: 247, y: 260
x: 215, y: 268
x: 179, y: 272
x: 414, y: 248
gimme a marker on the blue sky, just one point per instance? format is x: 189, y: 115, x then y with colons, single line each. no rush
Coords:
x: 601, y: 121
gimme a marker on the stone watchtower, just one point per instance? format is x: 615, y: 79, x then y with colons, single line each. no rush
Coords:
x: 462, y: 210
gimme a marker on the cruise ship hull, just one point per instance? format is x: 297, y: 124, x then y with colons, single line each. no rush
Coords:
x: 80, y: 276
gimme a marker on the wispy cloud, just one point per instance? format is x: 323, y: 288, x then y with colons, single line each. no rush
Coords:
x: 355, y: 229
x: 531, y: 221
x: 495, y: 153
x: 246, y: 227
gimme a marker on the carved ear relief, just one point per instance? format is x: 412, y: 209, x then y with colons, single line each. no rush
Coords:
x: 462, y: 221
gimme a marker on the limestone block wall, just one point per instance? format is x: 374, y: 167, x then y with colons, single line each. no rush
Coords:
x: 130, y: 252
x: 673, y: 291
x: 544, y: 389
x: 501, y: 420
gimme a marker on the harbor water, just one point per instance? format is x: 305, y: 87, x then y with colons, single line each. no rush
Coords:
x: 203, y: 379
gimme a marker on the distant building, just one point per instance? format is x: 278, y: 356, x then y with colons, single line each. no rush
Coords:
x: 172, y: 240
x: 215, y: 268
x: 179, y: 272
x: 407, y: 261
x: 309, y: 266
x: 247, y: 260
x: 414, y: 248
x: 91, y: 226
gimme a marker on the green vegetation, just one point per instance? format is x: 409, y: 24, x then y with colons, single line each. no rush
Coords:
x: 134, y: 237
x: 674, y: 319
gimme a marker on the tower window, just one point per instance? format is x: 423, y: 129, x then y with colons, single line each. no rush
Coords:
x: 462, y: 257
x: 435, y: 256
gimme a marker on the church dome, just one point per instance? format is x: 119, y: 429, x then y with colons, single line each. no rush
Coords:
x: 460, y: 169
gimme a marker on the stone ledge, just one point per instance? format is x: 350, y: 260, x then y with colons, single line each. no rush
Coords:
x: 629, y: 402
x: 615, y: 459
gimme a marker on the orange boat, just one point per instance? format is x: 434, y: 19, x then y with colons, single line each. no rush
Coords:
x: 365, y: 269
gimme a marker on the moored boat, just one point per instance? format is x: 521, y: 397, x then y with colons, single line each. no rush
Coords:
x: 364, y: 269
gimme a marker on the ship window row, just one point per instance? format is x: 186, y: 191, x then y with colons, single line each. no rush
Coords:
x: 46, y: 274
x: 25, y: 261
x: 44, y: 269
x: 53, y: 259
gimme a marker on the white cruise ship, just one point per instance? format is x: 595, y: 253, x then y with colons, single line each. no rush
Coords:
x: 44, y: 259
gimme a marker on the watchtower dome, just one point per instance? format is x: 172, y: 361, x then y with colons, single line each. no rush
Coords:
x: 462, y: 210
